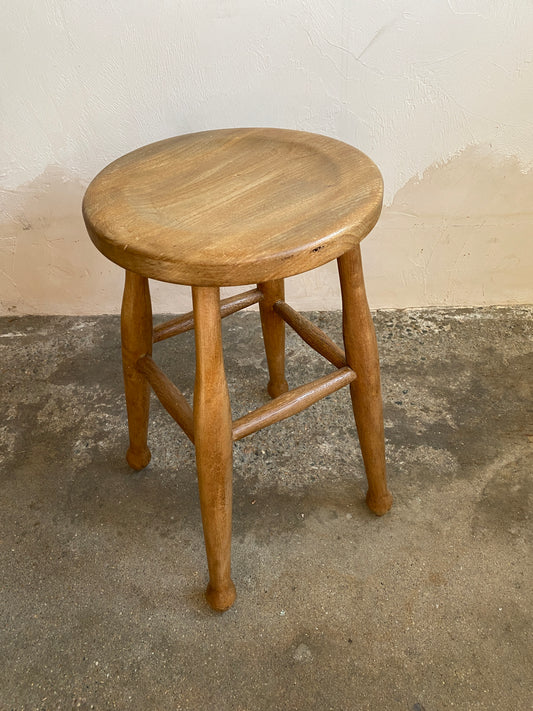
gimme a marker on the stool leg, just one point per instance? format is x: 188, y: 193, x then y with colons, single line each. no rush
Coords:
x: 273, y: 335
x: 362, y: 355
x: 136, y: 331
x: 214, y: 446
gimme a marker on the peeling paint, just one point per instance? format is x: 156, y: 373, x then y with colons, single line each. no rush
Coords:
x: 459, y: 235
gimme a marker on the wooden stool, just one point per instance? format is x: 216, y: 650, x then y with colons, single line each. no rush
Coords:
x: 226, y: 208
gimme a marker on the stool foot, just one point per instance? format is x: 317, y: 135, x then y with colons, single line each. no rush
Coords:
x: 138, y: 459
x: 274, y: 336
x: 221, y: 599
x: 379, y: 504
x: 277, y: 389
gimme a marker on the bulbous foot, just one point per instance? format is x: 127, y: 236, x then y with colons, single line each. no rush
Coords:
x: 276, y: 389
x: 138, y: 460
x: 221, y: 599
x: 379, y: 504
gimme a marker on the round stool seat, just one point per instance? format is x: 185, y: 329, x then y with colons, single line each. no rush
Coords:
x: 235, y: 206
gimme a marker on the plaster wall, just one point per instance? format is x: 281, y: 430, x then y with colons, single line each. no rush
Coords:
x: 437, y: 92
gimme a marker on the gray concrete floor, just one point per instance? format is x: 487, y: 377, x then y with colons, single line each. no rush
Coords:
x: 103, y: 570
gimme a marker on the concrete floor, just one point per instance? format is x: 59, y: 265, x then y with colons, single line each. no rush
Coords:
x: 427, y: 608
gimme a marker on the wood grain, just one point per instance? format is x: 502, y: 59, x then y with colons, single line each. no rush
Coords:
x: 292, y: 402
x: 362, y: 355
x: 233, y: 206
x: 136, y: 331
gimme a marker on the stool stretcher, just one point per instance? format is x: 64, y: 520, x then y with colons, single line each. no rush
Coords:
x: 311, y: 334
x: 228, y: 306
x: 292, y: 402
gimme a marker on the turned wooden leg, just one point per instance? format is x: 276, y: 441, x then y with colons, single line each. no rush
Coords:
x: 136, y: 331
x: 362, y: 356
x: 212, y: 437
x: 273, y: 335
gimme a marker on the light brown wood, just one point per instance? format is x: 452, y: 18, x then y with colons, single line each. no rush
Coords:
x: 311, y: 334
x: 273, y: 336
x: 233, y: 206
x: 212, y: 435
x: 292, y: 402
x: 228, y: 306
x: 168, y: 394
x: 362, y: 355
x: 136, y: 331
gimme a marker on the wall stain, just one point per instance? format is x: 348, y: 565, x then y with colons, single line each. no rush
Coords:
x: 460, y: 234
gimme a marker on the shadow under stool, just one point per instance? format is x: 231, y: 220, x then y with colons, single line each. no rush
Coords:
x: 234, y: 207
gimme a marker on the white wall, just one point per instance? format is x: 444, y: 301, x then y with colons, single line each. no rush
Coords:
x: 437, y: 92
